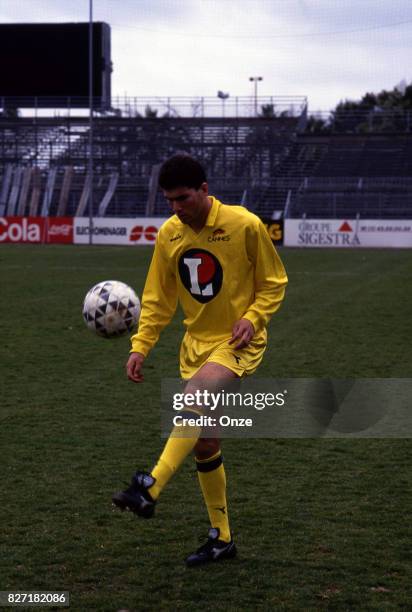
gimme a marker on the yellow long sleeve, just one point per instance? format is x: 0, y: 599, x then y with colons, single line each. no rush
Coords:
x: 159, y: 302
x: 270, y: 278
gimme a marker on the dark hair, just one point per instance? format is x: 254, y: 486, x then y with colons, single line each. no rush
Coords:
x: 181, y: 171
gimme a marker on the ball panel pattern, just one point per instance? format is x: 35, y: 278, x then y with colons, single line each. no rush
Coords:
x: 111, y: 308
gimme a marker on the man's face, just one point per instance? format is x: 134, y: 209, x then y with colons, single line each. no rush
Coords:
x: 188, y: 203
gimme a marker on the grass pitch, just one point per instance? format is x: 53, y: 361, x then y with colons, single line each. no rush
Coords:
x: 320, y: 524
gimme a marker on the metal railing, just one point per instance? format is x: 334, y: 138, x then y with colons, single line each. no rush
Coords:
x: 161, y: 106
x: 383, y: 197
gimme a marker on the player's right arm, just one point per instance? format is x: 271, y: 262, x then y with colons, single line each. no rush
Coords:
x: 159, y: 303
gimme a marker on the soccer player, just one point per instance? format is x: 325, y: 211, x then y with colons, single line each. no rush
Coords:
x: 220, y: 264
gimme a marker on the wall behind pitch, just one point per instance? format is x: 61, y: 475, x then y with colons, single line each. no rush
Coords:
x: 346, y: 233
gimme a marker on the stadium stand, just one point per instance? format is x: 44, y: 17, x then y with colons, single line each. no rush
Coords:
x: 267, y: 162
x: 369, y: 176
x: 238, y: 152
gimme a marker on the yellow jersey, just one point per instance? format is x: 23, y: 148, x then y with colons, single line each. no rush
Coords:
x: 228, y: 271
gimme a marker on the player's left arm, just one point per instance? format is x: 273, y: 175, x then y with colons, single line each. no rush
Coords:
x: 270, y: 276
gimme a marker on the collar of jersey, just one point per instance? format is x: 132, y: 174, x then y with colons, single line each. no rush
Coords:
x: 211, y: 217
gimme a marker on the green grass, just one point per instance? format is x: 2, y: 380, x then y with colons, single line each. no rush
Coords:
x: 320, y: 524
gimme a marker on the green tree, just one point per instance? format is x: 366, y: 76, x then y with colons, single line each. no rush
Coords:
x: 267, y: 111
x: 374, y: 112
x: 150, y: 113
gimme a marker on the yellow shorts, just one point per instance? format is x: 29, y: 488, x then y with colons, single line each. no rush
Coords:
x: 243, y: 362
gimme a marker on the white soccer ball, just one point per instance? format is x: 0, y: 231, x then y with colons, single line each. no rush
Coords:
x: 111, y: 308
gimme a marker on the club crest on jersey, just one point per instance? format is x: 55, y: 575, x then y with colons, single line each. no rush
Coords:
x: 219, y: 235
x: 201, y: 274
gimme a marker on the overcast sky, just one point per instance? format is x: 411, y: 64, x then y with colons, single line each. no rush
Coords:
x: 328, y: 50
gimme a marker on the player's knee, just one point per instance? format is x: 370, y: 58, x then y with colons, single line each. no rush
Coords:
x: 206, y: 447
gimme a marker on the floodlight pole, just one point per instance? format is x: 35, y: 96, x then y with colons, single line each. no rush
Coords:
x: 90, y: 165
x: 223, y: 96
x: 256, y: 79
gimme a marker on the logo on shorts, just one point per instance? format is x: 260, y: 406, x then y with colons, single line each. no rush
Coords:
x: 201, y: 274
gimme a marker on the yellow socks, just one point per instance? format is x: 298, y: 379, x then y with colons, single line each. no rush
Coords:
x: 211, y: 474
x: 212, y: 479
x: 181, y: 442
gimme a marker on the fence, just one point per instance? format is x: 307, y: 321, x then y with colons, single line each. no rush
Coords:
x: 167, y: 106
